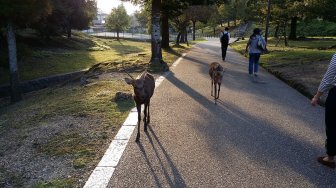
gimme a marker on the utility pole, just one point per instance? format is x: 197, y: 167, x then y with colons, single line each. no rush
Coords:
x: 268, y: 18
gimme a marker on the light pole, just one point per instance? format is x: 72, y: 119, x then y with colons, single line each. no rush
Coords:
x: 268, y: 18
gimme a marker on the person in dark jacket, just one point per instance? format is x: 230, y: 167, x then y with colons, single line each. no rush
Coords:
x: 224, y: 39
x: 328, y: 84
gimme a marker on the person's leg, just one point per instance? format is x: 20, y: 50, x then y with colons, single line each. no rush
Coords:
x: 223, y: 52
x: 251, y: 63
x: 330, y: 122
x: 224, y: 49
x: 256, y: 63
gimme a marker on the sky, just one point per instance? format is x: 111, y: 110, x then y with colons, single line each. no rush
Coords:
x: 107, y: 5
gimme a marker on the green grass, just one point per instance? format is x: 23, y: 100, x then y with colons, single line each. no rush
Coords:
x: 58, y: 183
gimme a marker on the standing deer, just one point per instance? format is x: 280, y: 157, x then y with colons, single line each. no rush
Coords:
x: 216, y: 73
x: 143, y: 87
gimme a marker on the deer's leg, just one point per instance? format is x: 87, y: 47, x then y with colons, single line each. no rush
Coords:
x: 139, y: 121
x: 145, y: 117
x: 148, y: 115
x: 211, y: 87
x: 219, y: 84
x: 215, y: 93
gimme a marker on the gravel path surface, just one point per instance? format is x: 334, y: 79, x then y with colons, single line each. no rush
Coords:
x: 261, y: 134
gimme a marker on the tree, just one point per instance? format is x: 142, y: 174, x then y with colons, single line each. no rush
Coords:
x: 118, y: 20
x: 18, y: 14
x: 280, y: 16
x: 155, y: 10
x: 296, y: 10
x: 171, y: 9
x: 156, y: 32
x: 181, y: 23
x: 142, y: 16
x: 78, y: 14
x: 214, y: 19
x: 324, y: 9
x: 197, y: 13
x: 67, y: 15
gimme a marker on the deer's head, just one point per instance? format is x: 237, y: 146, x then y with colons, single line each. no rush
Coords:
x: 138, y: 85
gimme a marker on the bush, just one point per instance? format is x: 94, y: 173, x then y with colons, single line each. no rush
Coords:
x: 316, y: 28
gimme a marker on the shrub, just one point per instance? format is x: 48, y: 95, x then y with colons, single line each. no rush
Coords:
x: 316, y: 28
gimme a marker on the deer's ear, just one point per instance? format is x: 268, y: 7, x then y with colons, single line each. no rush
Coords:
x: 129, y: 81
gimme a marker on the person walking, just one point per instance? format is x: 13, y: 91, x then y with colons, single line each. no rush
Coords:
x: 224, y: 39
x: 328, y: 84
x: 255, y: 46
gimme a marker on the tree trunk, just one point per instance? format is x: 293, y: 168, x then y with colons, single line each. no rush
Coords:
x: 182, y: 37
x: 292, y: 34
x: 285, y: 35
x: 268, y: 19
x: 178, y: 37
x: 214, y: 31
x: 69, y: 31
x: 194, y: 29
x: 276, y: 33
x: 13, y: 68
x: 165, y: 31
x: 228, y: 22
x: 155, y: 32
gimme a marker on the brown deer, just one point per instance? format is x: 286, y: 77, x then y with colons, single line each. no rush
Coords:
x: 143, y: 87
x: 216, y: 72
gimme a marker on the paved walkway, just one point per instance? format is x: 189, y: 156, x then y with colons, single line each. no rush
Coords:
x: 259, y: 135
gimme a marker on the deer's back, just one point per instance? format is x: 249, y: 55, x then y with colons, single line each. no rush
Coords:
x: 150, y: 84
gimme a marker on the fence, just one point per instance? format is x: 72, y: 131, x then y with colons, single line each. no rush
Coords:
x: 142, y: 36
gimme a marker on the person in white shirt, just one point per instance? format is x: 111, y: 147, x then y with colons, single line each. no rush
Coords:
x: 224, y: 39
x: 328, y: 84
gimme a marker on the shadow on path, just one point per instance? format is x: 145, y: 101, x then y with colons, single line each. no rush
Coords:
x: 171, y: 175
x: 266, y: 143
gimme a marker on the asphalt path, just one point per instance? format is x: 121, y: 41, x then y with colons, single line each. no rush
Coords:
x: 260, y: 134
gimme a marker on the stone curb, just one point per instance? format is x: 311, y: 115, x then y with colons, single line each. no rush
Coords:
x: 41, y: 83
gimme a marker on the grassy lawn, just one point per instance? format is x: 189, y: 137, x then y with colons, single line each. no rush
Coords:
x: 56, y: 136
x: 79, y: 53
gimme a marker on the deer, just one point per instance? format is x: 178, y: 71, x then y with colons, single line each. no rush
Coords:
x: 143, y: 87
x: 216, y: 72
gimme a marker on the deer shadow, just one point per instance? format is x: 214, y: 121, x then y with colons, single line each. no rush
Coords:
x: 168, y: 168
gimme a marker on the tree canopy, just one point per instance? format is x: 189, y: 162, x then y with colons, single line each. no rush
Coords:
x: 118, y: 20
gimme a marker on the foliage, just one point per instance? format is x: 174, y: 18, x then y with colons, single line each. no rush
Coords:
x: 24, y: 12
x: 67, y: 15
x: 143, y: 17
x: 324, y: 9
x: 316, y: 28
x: 118, y: 20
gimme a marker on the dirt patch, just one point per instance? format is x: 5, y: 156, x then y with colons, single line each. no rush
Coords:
x: 304, y: 77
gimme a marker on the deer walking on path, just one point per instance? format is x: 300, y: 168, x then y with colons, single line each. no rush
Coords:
x: 216, y: 73
x: 143, y: 87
